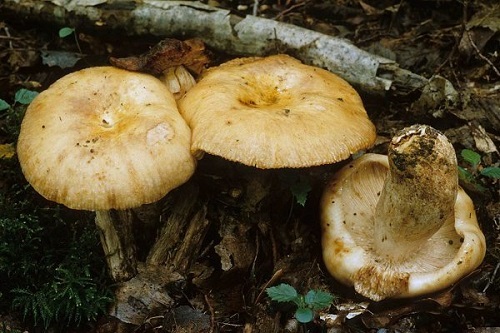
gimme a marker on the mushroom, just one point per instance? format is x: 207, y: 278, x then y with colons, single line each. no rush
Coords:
x: 105, y: 138
x: 275, y: 112
x: 399, y: 225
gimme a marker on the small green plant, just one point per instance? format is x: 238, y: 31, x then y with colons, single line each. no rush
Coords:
x: 298, y: 184
x: 67, y: 31
x: 306, y: 304
x: 474, y: 170
x: 70, y: 298
x: 51, y: 270
x: 11, y: 115
x: 300, y: 190
x: 22, y: 96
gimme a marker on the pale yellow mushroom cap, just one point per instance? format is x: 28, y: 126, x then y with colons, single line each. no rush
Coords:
x: 104, y: 138
x: 276, y: 112
x: 350, y: 250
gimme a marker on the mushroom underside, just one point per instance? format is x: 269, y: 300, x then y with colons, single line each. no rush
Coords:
x: 348, y: 244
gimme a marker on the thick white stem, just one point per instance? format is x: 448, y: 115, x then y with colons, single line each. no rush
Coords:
x: 419, y: 193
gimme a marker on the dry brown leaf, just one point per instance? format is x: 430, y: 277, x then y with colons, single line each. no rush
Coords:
x: 166, y: 54
x: 7, y: 151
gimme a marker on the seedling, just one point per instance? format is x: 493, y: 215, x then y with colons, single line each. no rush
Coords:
x: 299, y: 186
x: 11, y: 115
x: 67, y: 31
x: 22, y: 96
x: 306, y: 304
x: 475, y: 170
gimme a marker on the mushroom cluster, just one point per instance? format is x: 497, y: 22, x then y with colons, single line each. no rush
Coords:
x: 400, y: 225
x: 108, y: 138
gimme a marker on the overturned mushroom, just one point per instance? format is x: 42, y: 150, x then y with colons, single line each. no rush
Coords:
x: 275, y: 112
x: 104, y: 138
x: 399, y: 225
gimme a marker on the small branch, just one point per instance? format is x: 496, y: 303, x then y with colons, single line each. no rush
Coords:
x: 212, y: 314
x: 492, y: 278
x: 480, y: 54
x: 289, y: 9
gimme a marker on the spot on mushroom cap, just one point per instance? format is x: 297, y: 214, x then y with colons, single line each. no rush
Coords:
x: 104, y: 138
x: 276, y: 112
x: 347, y: 217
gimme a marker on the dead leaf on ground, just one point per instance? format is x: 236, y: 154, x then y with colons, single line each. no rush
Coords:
x: 7, y: 151
x: 235, y: 249
x: 479, y: 31
x: 167, y: 53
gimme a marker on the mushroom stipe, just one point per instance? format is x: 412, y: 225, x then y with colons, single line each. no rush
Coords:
x: 399, y: 225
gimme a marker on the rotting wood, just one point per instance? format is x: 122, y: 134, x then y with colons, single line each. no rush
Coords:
x: 177, y: 235
x: 227, y: 32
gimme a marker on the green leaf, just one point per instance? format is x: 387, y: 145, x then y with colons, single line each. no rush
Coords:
x: 65, y: 32
x: 4, y: 105
x: 317, y: 299
x: 25, y: 96
x: 300, y: 189
x: 491, y: 172
x: 465, y: 174
x: 282, y: 293
x: 304, y: 315
x: 471, y: 156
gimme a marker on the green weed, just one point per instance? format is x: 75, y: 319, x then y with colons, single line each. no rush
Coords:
x: 307, y: 304
x: 11, y: 115
x: 474, y: 173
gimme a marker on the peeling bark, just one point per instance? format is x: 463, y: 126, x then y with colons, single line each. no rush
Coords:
x: 227, y: 32
x: 180, y: 238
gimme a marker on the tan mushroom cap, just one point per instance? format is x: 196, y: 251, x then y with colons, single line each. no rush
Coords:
x: 348, y: 210
x: 104, y: 138
x: 276, y: 112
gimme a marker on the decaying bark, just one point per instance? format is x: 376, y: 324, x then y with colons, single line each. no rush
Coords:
x: 144, y: 294
x: 179, y: 240
x: 227, y: 32
x: 172, y: 254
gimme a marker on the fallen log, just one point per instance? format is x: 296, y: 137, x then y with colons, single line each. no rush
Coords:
x: 232, y: 34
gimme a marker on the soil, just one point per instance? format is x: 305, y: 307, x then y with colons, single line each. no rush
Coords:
x: 254, y: 231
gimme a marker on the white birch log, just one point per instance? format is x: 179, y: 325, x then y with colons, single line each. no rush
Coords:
x: 227, y: 32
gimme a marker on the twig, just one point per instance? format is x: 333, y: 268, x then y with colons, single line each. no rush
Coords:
x: 289, y: 9
x: 455, y: 46
x: 273, y: 278
x: 490, y: 280
x: 480, y: 54
x: 212, y: 313
x: 7, y: 33
x: 255, y: 7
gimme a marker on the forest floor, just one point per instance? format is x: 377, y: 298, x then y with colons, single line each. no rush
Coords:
x: 259, y: 235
